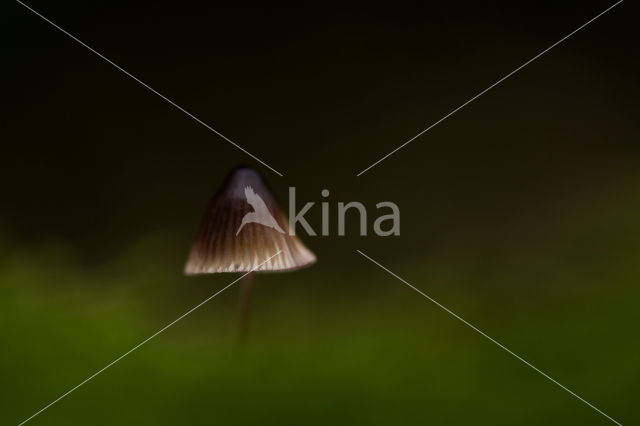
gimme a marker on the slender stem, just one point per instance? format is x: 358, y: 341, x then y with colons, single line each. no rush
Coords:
x: 246, y: 288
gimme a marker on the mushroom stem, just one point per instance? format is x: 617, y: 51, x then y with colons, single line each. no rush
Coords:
x: 246, y: 288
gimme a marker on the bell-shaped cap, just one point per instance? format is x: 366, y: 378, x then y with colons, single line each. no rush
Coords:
x: 242, y: 228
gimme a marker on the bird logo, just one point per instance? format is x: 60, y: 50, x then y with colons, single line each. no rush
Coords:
x: 260, y: 213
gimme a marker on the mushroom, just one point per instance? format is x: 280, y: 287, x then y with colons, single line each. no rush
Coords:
x: 242, y: 228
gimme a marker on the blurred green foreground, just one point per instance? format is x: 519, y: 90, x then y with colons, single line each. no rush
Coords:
x: 373, y: 352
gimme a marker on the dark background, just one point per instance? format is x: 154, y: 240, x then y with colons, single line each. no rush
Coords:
x: 520, y: 212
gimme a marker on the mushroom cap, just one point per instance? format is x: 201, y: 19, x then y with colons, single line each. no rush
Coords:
x: 242, y: 228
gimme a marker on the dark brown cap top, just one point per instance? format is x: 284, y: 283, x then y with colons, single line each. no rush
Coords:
x: 242, y: 228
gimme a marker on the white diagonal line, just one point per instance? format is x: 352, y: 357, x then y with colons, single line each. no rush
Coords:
x: 491, y: 87
x: 145, y: 341
x: 152, y: 89
x: 491, y: 339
